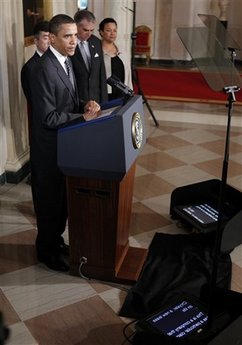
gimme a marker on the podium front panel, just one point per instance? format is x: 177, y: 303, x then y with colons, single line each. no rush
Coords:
x: 104, y: 148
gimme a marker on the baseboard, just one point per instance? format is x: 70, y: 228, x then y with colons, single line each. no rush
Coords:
x: 173, y: 63
x: 2, y: 179
x: 164, y: 63
x: 16, y: 176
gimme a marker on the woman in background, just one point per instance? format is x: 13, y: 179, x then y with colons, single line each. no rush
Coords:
x: 116, y: 62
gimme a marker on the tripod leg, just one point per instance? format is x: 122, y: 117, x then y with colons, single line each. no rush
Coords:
x: 140, y: 92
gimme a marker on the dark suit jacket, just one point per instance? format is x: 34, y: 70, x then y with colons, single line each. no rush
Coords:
x: 91, y: 84
x: 26, y: 74
x: 54, y: 103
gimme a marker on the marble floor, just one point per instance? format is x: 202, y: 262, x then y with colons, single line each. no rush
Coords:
x: 44, y: 307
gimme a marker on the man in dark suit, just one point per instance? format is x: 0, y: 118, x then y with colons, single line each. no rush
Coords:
x: 41, y: 40
x: 54, y: 103
x: 88, y: 60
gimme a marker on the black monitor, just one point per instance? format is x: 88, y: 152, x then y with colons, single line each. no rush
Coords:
x: 203, y: 215
x: 179, y: 320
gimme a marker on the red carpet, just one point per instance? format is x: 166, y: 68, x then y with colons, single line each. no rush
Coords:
x: 188, y: 86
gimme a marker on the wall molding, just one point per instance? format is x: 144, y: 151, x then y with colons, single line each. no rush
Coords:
x: 173, y: 63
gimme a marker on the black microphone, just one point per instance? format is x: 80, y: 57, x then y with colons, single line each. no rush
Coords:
x: 116, y: 82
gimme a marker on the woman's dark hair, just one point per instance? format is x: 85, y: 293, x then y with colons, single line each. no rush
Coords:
x: 106, y: 21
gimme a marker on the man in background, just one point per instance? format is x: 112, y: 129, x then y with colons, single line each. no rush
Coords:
x: 41, y: 41
x: 88, y: 61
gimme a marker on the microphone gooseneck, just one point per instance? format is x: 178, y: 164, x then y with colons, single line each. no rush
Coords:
x: 116, y: 82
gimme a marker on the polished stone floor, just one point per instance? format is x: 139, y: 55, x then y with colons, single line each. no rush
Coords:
x: 44, y: 307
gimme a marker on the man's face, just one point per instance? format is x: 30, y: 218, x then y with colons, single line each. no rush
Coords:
x: 65, y: 40
x: 43, y: 41
x: 85, y: 29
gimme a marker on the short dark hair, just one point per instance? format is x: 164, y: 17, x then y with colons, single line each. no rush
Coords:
x: 58, y: 20
x: 84, y: 14
x: 106, y: 21
x: 41, y: 26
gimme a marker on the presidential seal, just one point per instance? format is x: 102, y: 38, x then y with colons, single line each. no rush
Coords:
x: 137, y: 131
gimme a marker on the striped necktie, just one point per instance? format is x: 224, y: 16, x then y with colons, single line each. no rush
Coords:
x: 85, y: 53
x: 69, y: 72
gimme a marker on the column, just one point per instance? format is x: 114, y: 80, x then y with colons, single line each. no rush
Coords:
x: 14, y: 141
x: 223, y: 7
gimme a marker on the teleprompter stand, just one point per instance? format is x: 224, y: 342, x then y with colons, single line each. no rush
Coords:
x: 135, y: 77
x: 213, y: 52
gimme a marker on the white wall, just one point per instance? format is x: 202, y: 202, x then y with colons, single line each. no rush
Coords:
x: 68, y: 7
x: 235, y: 24
x: 164, y: 17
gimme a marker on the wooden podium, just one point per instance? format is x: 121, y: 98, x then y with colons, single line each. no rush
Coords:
x: 98, y: 158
